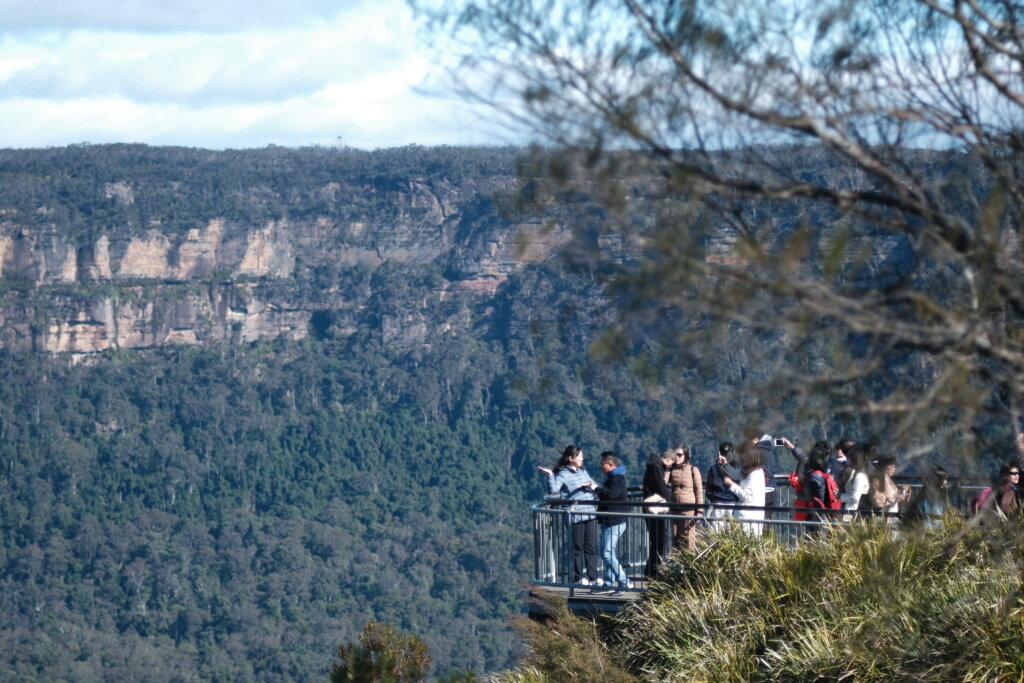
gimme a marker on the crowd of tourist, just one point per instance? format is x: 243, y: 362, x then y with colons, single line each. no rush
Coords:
x: 844, y: 482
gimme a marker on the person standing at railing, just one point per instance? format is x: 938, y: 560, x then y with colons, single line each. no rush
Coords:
x: 856, y: 480
x: 685, y: 482
x: 659, y: 542
x: 722, y: 500
x: 766, y: 445
x: 613, y: 491
x: 1001, y: 500
x: 932, y: 499
x: 751, y: 488
x: 840, y: 459
x: 820, y: 490
x: 886, y: 496
x: 569, y: 481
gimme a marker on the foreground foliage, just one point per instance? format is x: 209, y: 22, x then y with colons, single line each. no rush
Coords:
x: 864, y: 605
x: 382, y: 654
x: 880, y: 260
x: 563, y: 648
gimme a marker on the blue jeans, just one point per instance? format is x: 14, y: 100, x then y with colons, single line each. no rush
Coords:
x: 609, y: 544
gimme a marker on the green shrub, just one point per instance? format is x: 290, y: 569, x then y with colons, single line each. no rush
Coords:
x: 562, y: 648
x: 859, y: 604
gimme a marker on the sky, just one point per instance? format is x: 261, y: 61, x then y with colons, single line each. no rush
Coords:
x: 222, y: 74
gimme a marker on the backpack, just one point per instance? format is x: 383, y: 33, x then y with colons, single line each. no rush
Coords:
x: 832, y: 500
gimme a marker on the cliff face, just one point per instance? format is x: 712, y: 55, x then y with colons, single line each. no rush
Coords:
x: 112, y: 263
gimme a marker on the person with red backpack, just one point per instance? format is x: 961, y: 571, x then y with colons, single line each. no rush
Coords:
x: 816, y: 489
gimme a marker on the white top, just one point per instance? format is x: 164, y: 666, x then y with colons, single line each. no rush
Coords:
x: 750, y: 491
x: 858, y: 486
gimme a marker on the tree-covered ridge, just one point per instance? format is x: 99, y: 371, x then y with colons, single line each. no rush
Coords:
x: 91, y: 188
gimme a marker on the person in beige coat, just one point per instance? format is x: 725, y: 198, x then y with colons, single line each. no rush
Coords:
x: 687, y: 487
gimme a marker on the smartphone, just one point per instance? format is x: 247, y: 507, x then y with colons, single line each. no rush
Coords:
x: 778, y: 442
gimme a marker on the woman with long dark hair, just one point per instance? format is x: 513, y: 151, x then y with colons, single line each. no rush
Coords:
x: 569, y: 481
x: 932, y: 500
x: 856, y: 479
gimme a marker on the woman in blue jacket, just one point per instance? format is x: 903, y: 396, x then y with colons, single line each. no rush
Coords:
x: 569, y: 481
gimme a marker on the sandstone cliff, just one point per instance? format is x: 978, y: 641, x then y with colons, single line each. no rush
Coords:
x: 130, y: 246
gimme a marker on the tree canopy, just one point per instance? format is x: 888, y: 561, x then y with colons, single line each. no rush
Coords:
x: 892, y: 279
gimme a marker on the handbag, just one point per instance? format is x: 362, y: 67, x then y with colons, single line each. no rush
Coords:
x: 655, y: 509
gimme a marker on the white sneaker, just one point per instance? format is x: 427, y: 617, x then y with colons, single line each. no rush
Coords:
x: 598, y: 582
x: 626, y: 586
x: 584, y: 582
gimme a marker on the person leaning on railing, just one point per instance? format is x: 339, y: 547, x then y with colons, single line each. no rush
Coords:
x: 569, y: 481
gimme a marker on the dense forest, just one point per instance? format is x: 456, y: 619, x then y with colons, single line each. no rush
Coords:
x: 236, y: 509
x: 233, y: 511
x: 225, y: 512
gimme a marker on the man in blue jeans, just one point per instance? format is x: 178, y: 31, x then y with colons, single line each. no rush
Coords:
x: 612, y: 526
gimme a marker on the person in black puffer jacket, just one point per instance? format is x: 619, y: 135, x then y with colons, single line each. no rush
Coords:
x: 658, y: 537
x: 613, y: 491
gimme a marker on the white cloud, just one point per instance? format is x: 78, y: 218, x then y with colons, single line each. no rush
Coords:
x: 351, y: 76
x: 188, y: 67
x: 165, y: 15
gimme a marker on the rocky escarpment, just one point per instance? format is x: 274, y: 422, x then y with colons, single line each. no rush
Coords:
x: 129, y: 247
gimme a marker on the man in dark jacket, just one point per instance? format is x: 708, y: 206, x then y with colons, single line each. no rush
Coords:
x: 718, y: 494
x: 611, y: 496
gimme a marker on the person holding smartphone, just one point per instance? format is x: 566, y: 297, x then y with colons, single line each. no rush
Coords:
x: 721, y: 498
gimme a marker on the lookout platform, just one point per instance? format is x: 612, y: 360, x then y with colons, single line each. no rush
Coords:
x: 552, y: 538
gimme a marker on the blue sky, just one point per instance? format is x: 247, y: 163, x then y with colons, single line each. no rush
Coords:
x: 222, y: 74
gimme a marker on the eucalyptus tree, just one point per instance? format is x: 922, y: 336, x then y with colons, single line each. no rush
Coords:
x: 817, y: 200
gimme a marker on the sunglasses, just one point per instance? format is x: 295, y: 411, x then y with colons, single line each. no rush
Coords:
x: 1015, y: 472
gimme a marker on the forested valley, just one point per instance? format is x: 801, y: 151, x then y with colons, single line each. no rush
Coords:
x: 235, y: 505
x: 235, y: 509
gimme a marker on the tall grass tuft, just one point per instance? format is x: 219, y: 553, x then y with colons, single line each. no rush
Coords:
x: 562, y: 648
x: 860, y: 604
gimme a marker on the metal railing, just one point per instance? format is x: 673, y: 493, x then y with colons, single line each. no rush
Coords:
x: 552, y: 527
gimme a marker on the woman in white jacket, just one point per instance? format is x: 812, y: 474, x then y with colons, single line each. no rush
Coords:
x: 856, y: 480
x: 751, y: 489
